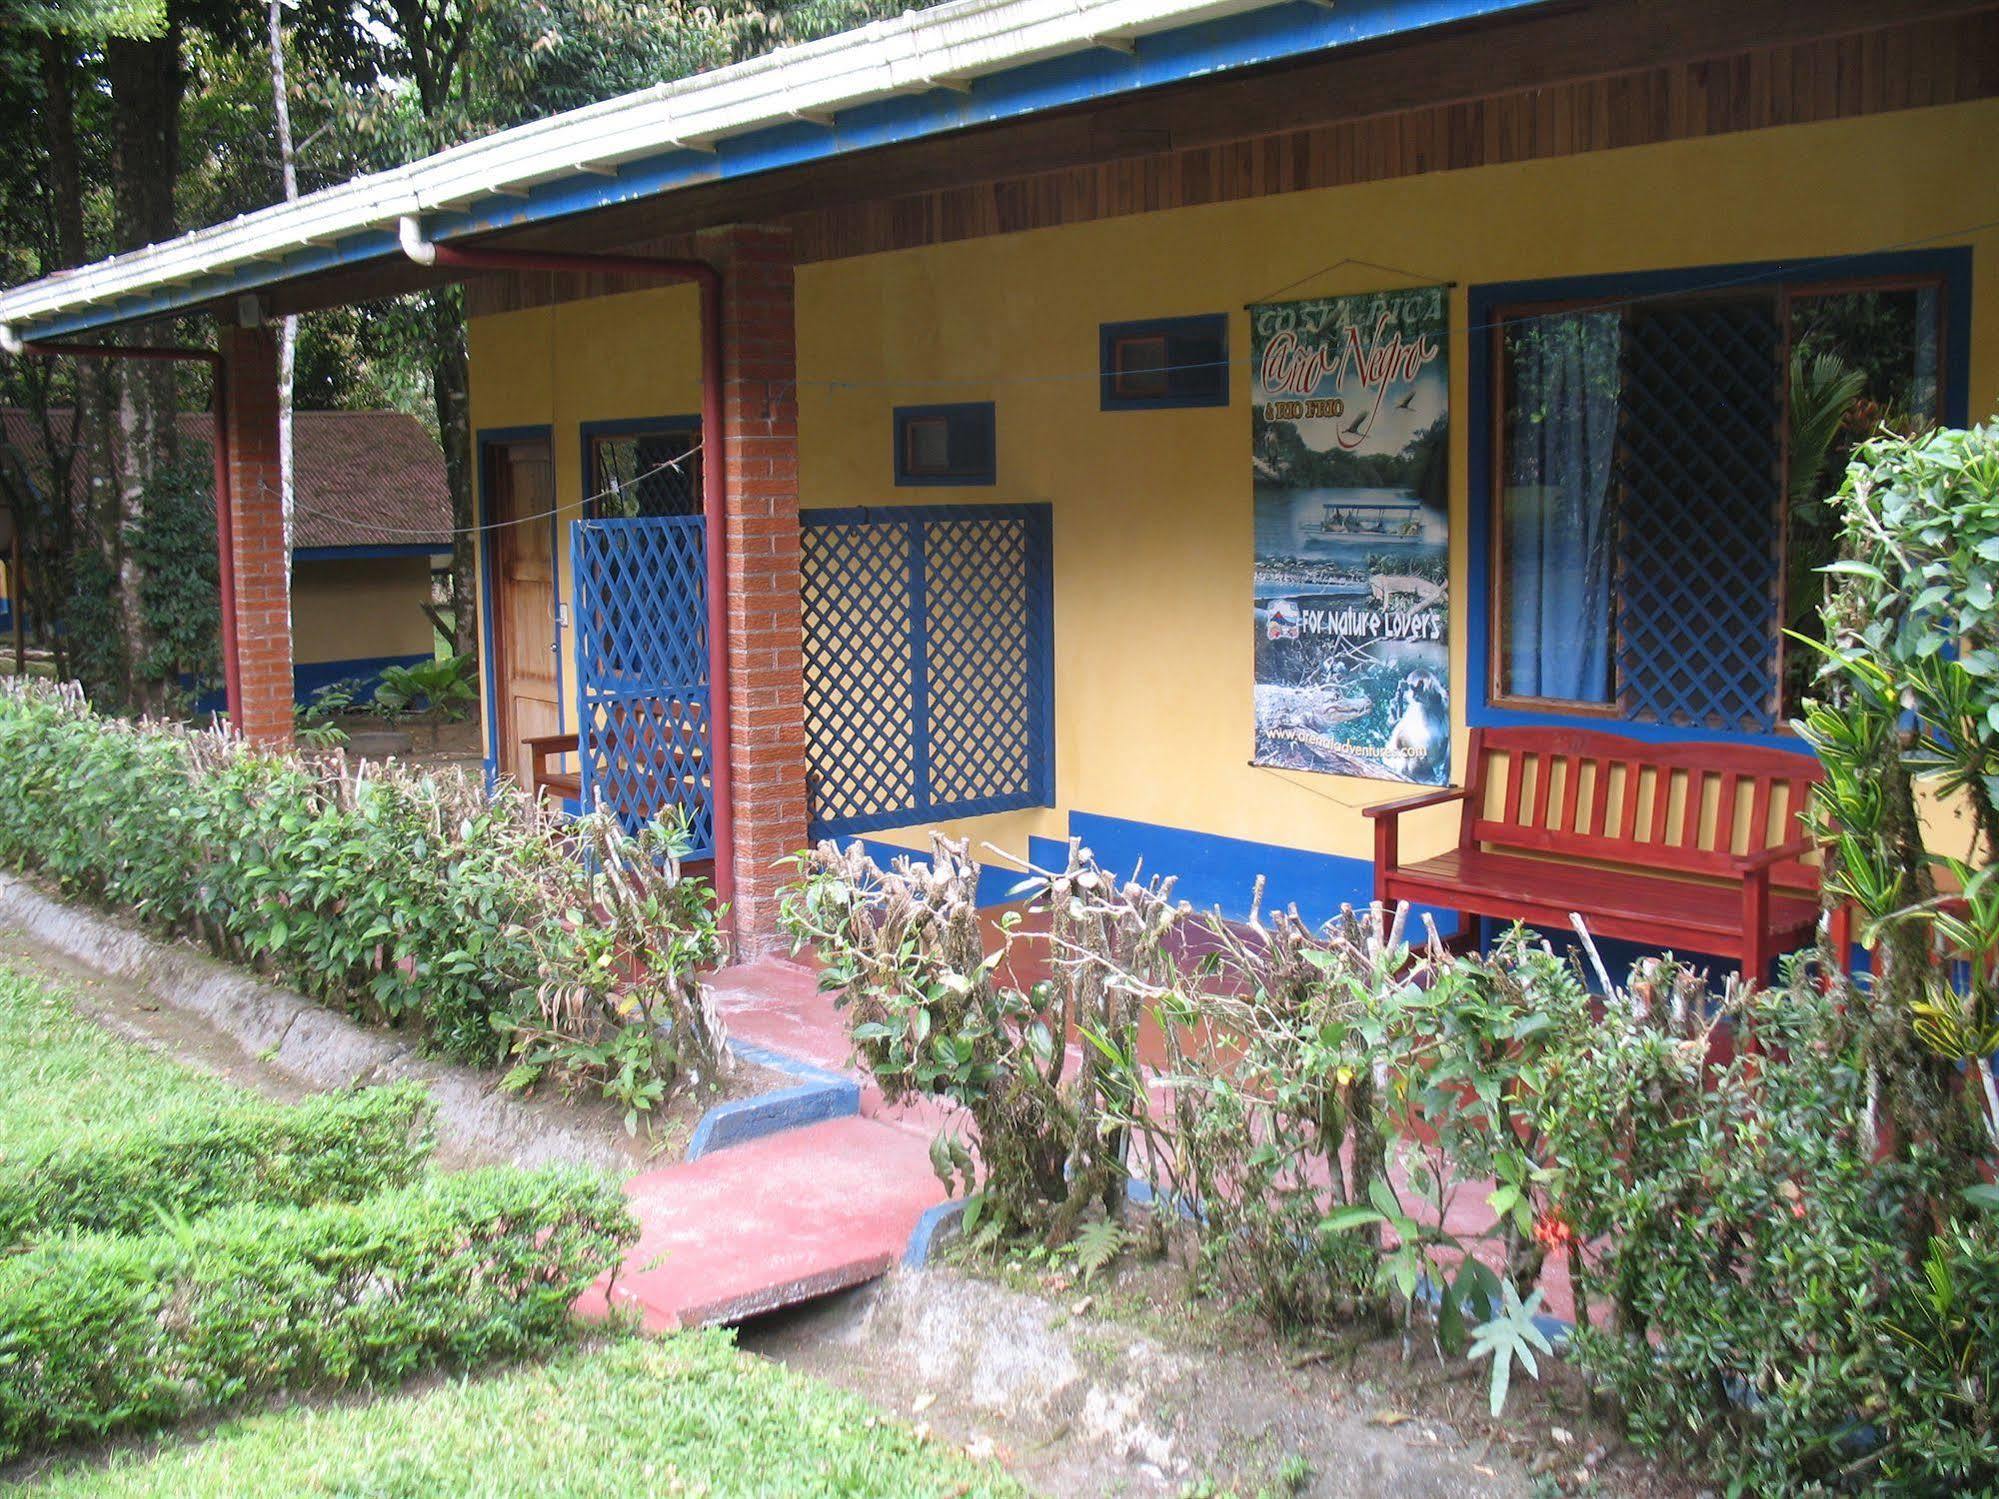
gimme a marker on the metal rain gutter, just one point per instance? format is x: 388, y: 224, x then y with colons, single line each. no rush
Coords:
x: 423, y: 250
x: 970, y: 63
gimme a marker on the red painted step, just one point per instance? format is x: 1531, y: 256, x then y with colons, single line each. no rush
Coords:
x: 768, y: 1224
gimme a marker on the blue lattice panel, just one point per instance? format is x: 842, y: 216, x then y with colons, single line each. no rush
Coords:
x: 1701, y: 516
x: 928, y: 677
x: 642, y: 670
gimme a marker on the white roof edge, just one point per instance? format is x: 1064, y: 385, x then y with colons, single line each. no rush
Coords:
x: 917, y: 50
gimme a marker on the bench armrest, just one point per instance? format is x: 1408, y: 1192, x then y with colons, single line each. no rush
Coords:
x: 552, y: 744
x: 1763, y: 859
x: 1411, y: 803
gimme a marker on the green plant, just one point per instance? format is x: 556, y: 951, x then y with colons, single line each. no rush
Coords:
x: 115, y: 1333
x: 1511, y: 1336
x: 1758, y: 1253
x: 1908, y: 696
x: 641, y: 1415
x: 172, y: 542
x: 444, y: 686
x: 336, y: 1148
x: 931, y: 1011
x: 407, y: 898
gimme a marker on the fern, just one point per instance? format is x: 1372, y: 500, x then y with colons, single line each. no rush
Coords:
x: 1097, y: 1245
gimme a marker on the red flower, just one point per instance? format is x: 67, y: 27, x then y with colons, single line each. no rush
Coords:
x: 1550, y: 1232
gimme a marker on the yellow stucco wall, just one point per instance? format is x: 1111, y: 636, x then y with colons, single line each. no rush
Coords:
x: 360, y: 609
x: 1153, y: 510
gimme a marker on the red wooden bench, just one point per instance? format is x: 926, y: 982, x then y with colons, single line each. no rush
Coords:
x: 543, y: 776
x: 1690, y: 847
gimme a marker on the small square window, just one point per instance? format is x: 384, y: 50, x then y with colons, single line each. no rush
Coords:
x: 945, y: 444
x: 926, y: 446
x: 1140, y: 367
x: 1164, y: 362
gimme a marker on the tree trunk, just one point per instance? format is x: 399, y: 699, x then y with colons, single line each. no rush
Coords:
x: 448, y: 385
x: 85, y: 439
x: 147, y: 82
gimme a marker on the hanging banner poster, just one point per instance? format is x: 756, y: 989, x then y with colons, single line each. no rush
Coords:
x: 1349, y: 443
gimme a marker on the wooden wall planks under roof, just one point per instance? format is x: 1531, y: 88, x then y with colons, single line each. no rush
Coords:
x: 1118, y: 167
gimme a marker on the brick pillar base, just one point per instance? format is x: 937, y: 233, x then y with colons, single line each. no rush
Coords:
x: 759, y: 452
x: 263, y: 587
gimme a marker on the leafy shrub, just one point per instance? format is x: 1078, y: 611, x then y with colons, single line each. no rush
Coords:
x: 408, y: 899
x: 1758, y: 1281
x: 336, y: 1148
x: 931, y: 1012
x: 444, y: 686
x: 1783, y: 1305
x: 1909, y: 695
x: 116, y: 1333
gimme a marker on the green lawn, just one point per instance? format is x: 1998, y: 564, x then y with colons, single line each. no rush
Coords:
x: 681, y: 1415
x: 61, y: 1073
x: 687, y: 1414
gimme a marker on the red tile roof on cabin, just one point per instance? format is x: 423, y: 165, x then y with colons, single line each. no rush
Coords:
x: 363, y: 478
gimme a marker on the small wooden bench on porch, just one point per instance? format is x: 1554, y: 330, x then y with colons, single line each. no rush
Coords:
x: 669, y: 763
x: 1691, y: 847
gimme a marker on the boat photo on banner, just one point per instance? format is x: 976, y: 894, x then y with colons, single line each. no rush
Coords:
x: 1350, y: 436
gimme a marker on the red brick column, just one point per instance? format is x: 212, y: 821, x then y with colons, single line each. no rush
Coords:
x: 760, y: 478
x: 263, y: 587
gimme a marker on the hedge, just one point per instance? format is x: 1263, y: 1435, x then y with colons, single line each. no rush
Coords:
x: 109, y: 1334
x: 408, y: 899
x: 336, y: 1148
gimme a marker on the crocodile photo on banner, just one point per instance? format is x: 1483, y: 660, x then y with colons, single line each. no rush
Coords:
x: 1349, y: 447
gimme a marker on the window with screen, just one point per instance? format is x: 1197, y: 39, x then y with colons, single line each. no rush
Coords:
x: 953, y: 444
x: 642, y: 473
x: 1664, y: 468
x: 1164, y: 362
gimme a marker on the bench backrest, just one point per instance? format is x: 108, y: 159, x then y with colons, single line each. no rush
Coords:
x: 1685, y: 807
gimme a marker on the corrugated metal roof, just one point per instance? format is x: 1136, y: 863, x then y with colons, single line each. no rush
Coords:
x: 921, y: 74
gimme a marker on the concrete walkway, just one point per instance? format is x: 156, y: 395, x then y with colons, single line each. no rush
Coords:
x: 796, y: 1214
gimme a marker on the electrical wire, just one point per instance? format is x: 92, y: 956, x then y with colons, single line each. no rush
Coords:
x: 425, y: 533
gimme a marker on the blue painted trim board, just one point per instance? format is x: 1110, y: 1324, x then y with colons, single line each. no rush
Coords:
x: 996, y: 881
x: 1180, y: 55
x: 309, y: 677
x: 1221, y: 872
x: 815, y: 1096
x: 1484, y: 302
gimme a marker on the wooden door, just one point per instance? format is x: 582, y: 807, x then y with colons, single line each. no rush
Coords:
x: 522, y: 493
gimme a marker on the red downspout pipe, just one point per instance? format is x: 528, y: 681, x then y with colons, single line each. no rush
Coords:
x: 714, y: 530
x: 225, y: 517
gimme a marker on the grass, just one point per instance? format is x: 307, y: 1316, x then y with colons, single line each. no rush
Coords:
x: 61, y: 1073
x: 684, y: 1414
x: 687, y: 1414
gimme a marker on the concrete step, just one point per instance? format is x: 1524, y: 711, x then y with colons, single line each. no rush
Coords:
x: 777, y: 1004
x: 769, y: 1224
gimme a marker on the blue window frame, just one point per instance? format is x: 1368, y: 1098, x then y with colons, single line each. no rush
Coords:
x: 1632, y: 564
x: 946, y: 445
x: 644, y: 468
x: 1159, y: 363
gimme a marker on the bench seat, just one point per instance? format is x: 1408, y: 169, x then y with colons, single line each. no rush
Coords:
x: 1624, y: 903
x: 1695, y: 848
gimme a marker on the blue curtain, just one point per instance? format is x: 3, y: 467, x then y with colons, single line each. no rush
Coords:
x: 1558, y: 517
